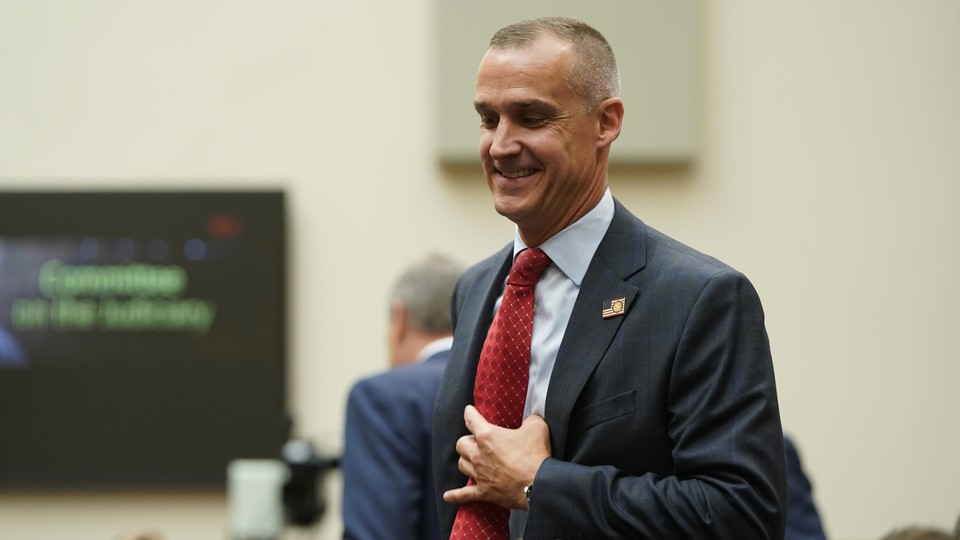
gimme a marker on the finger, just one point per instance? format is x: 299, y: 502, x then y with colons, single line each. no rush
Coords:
x: 466, y: 467
x: 462, y: 495
x: 473, y: 419
x: 466, y: 446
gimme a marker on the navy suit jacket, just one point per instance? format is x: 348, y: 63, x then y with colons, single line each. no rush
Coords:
x: 663, y: 422
x: 803, y: 519
x: 387, y: 476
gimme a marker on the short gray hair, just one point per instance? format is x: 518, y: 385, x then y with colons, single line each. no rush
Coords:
x: 426, y: 290
x: 594, y: 75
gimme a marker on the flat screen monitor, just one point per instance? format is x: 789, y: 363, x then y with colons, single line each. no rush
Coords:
x: 142, y: 336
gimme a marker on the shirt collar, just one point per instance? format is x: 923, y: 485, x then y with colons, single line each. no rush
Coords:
x: 432, y: 348
x: 572, y: 249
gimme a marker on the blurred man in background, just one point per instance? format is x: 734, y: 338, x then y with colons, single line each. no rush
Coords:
x: 387, y: 480
x: 803, y: 518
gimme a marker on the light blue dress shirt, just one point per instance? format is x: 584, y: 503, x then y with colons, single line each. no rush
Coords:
x: 571, y: 251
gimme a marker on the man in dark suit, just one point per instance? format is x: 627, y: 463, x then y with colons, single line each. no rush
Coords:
x: 388, y: 489
x: 651, y: 409
x: 803, y: 519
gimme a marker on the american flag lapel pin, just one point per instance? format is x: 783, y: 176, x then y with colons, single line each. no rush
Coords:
x: 614, y: 307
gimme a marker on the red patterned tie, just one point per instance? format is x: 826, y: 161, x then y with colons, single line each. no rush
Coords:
x: 500, y: 390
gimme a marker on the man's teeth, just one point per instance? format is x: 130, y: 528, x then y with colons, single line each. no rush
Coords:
x: 518, y: 174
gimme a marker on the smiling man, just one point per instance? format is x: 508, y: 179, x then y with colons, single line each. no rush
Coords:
x: 618, y: 384
x: 544, y: 149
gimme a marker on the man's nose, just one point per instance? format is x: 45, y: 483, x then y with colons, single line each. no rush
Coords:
x: 505, y: 141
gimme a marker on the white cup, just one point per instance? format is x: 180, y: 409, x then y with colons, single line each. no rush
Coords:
x: 255, y: 493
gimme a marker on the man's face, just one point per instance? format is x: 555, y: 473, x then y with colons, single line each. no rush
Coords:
x: 538, y: 147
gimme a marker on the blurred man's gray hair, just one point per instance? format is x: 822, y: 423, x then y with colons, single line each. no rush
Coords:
x: 425, y: 290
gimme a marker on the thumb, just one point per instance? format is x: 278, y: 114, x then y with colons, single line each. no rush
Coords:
x: 534, y: 419
x: 538, y: 427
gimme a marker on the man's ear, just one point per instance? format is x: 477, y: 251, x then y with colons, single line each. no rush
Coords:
x: 398, y: 318
x: 397, y: 333
x: 609, y: 119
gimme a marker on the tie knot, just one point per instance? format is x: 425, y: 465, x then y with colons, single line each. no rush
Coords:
x: 528, y: 267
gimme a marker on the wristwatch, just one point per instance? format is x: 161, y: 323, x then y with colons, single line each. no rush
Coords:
x: 527, y: 491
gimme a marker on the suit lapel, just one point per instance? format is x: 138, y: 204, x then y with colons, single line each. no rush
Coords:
x: 588, y: 335
x: 475, y: 319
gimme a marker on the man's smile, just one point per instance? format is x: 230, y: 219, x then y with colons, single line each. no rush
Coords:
x: 518, y: 173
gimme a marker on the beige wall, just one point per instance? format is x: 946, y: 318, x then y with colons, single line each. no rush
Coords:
x: 829, y: 174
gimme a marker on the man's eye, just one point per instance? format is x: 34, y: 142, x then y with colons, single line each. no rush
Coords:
x: 488, y: 121
x: 532, y: 120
